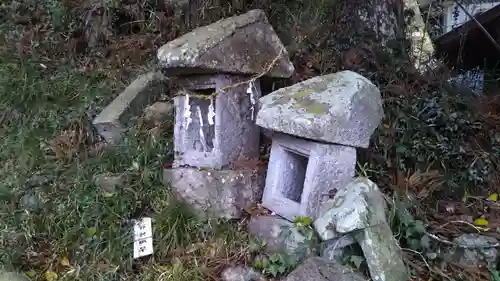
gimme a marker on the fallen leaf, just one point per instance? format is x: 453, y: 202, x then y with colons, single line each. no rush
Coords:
x: 493, y: 197
x: 108, y: 194
x: 164, y: 268
x: 50, y: 275
x: 64, y: 261
x: 91, y: 231
x: 30, y: 274
x: 481, y: 222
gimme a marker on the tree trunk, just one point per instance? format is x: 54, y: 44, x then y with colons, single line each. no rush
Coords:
x: 366, y: 27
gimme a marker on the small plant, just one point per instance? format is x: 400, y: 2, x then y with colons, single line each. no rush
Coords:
x: 412, y: 231
x: 275, y: 264
x: 305, y: 241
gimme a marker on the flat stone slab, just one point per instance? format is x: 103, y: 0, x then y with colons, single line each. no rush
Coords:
x: 111, y: 122
x: 216, y: 193
x: 244, y: 44
x: 382, y: 253
x: 342, y: 108
x: 319, y: 269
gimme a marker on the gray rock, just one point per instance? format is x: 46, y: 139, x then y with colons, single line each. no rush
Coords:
x: 216, y: 193
x: 356, y: 206
x: 241, y: 273
x: 32, y: 202
x: 37, y: 180
x: 12, y: 276
x: 111, y: 122
x: 109, y: 183
x: 382, y: 253
x: 319, y: 269
x: 244, y: 44
x: 158, y: 112
x: 477, y: 250
x: 281, y: 236
x: 333, y: 249
x: 343, y: 108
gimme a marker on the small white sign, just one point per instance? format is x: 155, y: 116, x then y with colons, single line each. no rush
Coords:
x: 143, y: 247
x: 143, y: 238
x: 142, y: 229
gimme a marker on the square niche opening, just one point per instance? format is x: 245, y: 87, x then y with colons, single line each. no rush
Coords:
x: 294, y: 174
x: 201, y: 132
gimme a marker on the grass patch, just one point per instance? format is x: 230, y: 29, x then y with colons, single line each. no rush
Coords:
x: 51, y: 207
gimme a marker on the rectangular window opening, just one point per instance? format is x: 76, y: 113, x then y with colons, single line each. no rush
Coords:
x: 295, y: 175
x: 202, y: 126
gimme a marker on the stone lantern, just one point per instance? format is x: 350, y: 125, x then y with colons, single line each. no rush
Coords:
x: 216, y: 69
x: 318, y: 124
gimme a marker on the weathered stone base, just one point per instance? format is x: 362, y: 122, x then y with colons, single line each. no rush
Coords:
x: 216, y: 193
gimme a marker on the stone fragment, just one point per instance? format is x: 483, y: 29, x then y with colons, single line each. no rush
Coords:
x: 244, y: 44
x: 37, y: 180
x: 280, y: 236
x: 109, y: 183
x: 301, y: 172
x: 334, y: 249
x: 356, y: 206
x: 382, y: 253
x: 111, y: 122
x: 216, y: 131
x: 32, y: 202
x: 158, y: 112
x: 241, y: 273
x: 319, y: 269
x: 474, y: 250
x: 359, y: 209
x: 12, y: 276
x: 342, y: 108
x: 216, y: 193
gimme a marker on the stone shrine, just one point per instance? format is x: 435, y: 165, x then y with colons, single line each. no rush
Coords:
x: 320, y: 122
x: 214, y: 67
